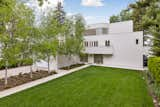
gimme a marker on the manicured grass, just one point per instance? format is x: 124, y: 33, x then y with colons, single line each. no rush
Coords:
x: 90, y: 87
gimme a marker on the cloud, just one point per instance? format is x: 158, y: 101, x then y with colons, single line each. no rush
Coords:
x: 92, y: 3
x: 46, y: 5
x: 44, y: 9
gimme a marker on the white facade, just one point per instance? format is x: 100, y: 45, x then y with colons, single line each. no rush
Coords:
x: 125, y: 48
x: 111, y: 45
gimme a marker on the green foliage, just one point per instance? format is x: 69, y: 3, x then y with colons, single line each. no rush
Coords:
x: 154, y: 68
x: 16, y: 25
x: 114, y: 19
x: 152, y: 26
x: 74, y: 37
x: 23, y: 43
x: 41, y: 2
x: 123, y: 16
x: 16, y: 63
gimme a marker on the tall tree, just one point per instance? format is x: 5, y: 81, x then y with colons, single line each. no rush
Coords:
x: 29, y: 36
x: 138, y: 11
x: 8, y: 39
x: 59, y: 13
x: 79, y: 27
x: 73, y: 45
x: 151, y: 24
x: 49, y: 43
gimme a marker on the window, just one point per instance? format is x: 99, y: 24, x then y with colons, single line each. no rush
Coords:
x: 104, y: 31
x: 137, y: 41
x: 96, y: 43
x: 86, y: 44
x: 91, y: 44
x: 107, y: 43
x: 90, y: 32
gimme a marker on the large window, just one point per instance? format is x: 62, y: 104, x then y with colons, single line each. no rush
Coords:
x: 90, y: 32
x: 98, y: 31
x: 91, y: 43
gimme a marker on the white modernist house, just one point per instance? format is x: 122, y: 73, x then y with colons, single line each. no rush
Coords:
x: 111, y: 45
x: 114, y: 45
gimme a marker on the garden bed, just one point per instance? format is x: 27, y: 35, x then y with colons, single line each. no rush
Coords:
x: 72, y: 66
x: 23, y: 78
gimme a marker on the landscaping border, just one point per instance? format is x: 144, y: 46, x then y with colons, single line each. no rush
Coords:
x: 14, y: 90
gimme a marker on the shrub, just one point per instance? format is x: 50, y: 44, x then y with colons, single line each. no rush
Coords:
x: 154, y: 68
x: 25, y: 62
x: 16, y: 63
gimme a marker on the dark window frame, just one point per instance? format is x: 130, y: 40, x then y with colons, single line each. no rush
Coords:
x: 107, y: 43
x: 137, y: 41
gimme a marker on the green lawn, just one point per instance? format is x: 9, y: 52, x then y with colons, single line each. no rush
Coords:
x: 90, y: 87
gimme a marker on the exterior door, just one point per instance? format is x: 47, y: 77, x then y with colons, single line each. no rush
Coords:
x: 98, y: 59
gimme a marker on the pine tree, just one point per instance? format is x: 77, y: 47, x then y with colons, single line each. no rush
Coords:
x: 151, y: 24
x: 59, y: 13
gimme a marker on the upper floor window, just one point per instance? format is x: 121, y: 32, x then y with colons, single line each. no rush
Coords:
x: 137, y: 41
x: 96, y: 31
x: 91, y: 44
x: 107, y: 43
x: 90, y: 32
x: 96, y: 43
x: 86, y: 44
x: 104, y: 31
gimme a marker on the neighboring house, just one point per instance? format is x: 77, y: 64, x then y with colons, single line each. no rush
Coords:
x: 111, y: 45
x: 114, y: 45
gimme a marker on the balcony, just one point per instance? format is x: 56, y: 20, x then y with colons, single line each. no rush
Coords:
x: 99, y: 50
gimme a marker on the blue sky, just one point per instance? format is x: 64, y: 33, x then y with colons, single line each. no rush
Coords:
x: 94, y: 11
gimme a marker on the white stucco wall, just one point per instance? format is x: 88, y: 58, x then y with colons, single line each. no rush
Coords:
x: 126, y: 54
x: 121, y: 27
x: 15, y: 71
x: 64, y: 60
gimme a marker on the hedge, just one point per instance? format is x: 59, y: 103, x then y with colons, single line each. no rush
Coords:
x: 154, y: 68
x: 16, y: 63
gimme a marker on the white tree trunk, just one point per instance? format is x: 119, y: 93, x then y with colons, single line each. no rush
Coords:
x: 49, y: 71
x: 6, y: 74
x: 31, y: 72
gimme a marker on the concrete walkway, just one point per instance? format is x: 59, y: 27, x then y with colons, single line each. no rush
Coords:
x: 39, y: 81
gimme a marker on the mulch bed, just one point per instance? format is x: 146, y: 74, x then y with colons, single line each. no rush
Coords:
x: 23, y: 78
x: 72, y: 66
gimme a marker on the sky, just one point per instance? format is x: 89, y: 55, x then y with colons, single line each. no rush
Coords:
x: 94, y: 11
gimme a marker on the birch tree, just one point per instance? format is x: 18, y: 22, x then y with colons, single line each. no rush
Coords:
x: 7, y: 34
